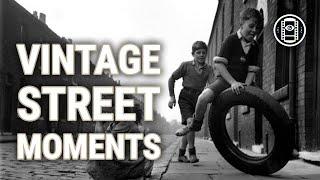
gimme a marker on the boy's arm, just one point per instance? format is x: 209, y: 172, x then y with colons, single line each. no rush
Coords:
x: 175, y: 75
x: 171, y: 86
x: 220, y: 64
x: 251, y: 72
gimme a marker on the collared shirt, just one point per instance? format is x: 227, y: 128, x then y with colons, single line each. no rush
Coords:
x: 194, y: 77
x: 235, y: 58
x: 199, y: 68
x: 245, y: 45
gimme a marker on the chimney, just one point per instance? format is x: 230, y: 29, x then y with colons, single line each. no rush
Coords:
x: 42, y: 18
x: 35, y: 14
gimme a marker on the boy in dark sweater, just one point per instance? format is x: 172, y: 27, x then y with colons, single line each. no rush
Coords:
x: 236, y: 65
x: 195, y: 74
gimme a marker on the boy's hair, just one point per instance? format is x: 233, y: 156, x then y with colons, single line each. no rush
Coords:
x: 199, y: 45
x: 250, y: 13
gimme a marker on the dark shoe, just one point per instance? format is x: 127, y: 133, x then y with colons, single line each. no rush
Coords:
x: 192, y: 155
x: 183, y: 159
x: 183, y: 131
x: 195, y: 124
x: 193, y: 158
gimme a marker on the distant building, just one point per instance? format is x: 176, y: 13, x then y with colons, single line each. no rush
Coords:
x: 292, y: 76
x: 19, y: 26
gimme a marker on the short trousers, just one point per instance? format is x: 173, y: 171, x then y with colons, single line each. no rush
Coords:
x: 218, y: 86
x: 187, y: 103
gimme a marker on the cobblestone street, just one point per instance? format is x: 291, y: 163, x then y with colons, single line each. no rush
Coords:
x: 10, y: 168
x: 14, y: 169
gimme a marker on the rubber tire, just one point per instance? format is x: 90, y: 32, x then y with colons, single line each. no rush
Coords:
x: 274, y: 113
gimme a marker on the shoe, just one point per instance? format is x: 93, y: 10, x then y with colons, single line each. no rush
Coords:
x: 183, y: 159
x: 193, y: 158
x: 195, y: 125
x: 192, y: 155
x: 183, y: 131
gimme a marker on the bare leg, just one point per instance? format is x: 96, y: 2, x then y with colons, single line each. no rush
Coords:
x: 203, y: 100
x: 191, y: 135
x: 184, y: 142
x: 190, y: 138
x: 182, y: 150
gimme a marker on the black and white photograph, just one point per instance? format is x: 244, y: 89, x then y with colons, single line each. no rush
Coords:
x: 159, y: 89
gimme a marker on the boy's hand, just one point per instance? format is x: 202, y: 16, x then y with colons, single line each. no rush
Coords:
x: 236, y: 86
x: 172, y: 102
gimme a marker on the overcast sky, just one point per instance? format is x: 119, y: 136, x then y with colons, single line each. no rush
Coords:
x: 175, y: 24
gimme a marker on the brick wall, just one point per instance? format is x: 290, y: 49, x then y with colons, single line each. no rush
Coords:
x: 304, y: 70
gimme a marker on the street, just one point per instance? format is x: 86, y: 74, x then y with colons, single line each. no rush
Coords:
x: 211, y: 166
x: 10, y: 168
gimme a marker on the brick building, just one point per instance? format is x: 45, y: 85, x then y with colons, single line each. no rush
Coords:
x: 291, y: 75
x: 19, y: 26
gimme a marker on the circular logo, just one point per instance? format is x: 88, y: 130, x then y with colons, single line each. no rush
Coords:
x: 289, y: 30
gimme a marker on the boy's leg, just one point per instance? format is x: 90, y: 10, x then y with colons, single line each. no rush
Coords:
x: 184, y: 142
x: 190, y: 137
x: 192, y: 149
x: 182, y: 150
x: 204, y: 98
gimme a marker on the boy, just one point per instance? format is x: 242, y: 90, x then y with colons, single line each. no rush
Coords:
x: 195, y: 74
x: 125, y: 168
x: 236, y: 64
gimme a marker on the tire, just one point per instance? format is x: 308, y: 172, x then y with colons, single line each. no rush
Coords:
x: 274, y: 113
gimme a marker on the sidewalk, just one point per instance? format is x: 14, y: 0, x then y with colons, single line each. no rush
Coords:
x: 213, y: 166
x: 161, y: 165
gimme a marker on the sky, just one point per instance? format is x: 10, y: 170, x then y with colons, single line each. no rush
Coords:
x: 174, y: 24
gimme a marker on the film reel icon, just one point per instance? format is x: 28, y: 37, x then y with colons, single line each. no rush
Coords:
x: 289, y: 30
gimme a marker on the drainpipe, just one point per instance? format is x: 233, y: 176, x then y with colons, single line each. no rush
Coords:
x: 292, y: 8
x: 292, y: 94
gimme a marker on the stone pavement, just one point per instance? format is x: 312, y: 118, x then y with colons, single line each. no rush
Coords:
x: 213, y: 166
x: 12, y: 169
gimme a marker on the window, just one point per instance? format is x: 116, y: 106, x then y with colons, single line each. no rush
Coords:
x: 282, y: 67
x: 282, y: 56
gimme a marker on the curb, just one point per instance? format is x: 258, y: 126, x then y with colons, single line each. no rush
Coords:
x: 161, y: 166
x: 317, y: 163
